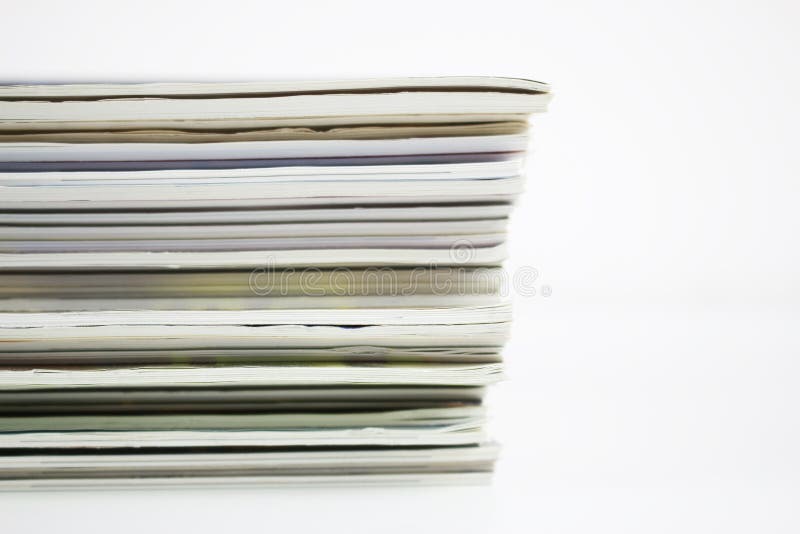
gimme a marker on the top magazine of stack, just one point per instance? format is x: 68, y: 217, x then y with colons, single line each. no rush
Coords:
x: 352, y: 173
x: 255, y: 104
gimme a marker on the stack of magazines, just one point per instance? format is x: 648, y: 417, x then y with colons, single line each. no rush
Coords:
x: 249, y: 283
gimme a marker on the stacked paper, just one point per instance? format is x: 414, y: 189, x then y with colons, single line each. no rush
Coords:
x: 254, y: 282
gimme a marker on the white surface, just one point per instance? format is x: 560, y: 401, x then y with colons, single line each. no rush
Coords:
x: 658, y: 384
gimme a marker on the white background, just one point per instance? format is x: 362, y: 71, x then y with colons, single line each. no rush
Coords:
x: 656, y: 390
